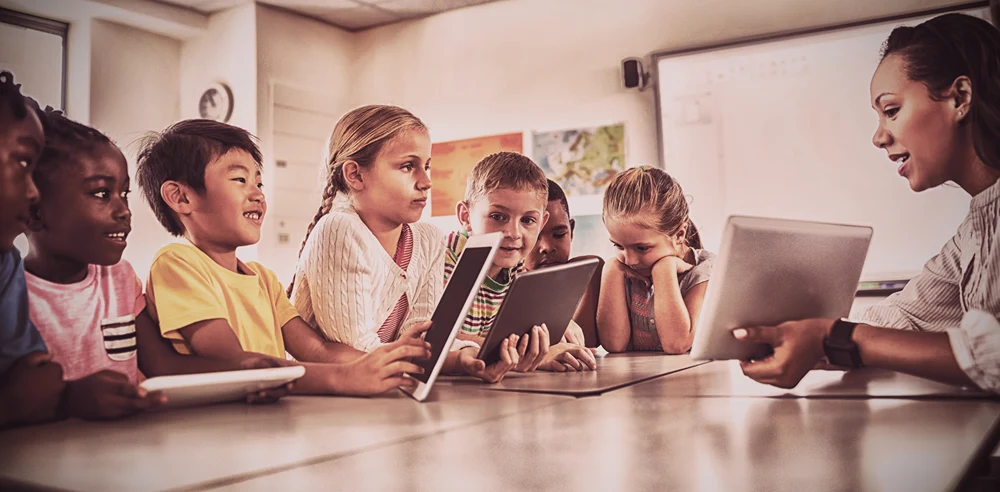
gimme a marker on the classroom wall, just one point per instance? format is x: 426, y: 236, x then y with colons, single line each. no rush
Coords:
x: 135, y: 87
x: 551, y: 64
x: 304, y: 83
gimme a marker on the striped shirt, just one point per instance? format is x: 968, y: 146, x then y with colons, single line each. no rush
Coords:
x: 404, y: 250
x: 490, y: 295
x: 958, y: 292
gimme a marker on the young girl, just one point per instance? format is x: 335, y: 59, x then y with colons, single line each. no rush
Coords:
x: 85, y: 300
x: 367, y: 271
x: 659, y: 252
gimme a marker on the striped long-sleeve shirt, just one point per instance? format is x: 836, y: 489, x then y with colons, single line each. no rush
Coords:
x: 958, y: 292
x: 490, y: 295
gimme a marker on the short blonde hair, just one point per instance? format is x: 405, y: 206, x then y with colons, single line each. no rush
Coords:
x: 505, y: 170
x: 650, y: 197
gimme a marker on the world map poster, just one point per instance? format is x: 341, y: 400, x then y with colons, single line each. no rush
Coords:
x: 584, y: 160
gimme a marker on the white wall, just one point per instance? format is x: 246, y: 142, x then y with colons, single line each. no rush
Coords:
x: 135, y: 88
x: 304, y: 83
x: 225, y: 52
x: 523, y: 65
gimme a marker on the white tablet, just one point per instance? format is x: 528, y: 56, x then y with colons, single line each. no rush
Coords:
x: 216, y: 387
x: 770, y: 271
x: 470, y: 270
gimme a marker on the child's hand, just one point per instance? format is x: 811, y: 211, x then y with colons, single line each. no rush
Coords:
x: 630, y: 272
x: 532, y: 349
x: 108, y: 395
x: 574, y: 335
x: 260, y: 361
x: 669, y: 264
x: 492, y: 374
x: 385, y: 367
x: 31, y: 389
x: 567, y: 357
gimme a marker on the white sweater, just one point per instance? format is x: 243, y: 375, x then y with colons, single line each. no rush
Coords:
x: 346, y: 284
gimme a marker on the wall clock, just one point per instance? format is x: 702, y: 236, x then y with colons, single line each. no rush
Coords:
x: 216, y: 103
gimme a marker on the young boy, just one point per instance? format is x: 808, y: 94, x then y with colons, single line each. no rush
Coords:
x: 553, y: 248
x: 506, y: 192
x: 203, y: 182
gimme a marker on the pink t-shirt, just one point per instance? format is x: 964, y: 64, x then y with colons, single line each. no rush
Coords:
x: 89, y: 326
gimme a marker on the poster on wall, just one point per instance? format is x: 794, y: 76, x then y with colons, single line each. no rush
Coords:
x: 583, y: 160
x: 452, y: 161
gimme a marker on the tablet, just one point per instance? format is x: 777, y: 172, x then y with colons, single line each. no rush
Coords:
x: 548, y: 296
x: 470, y: 270
x: 216, y: 387
x: 770, y: 271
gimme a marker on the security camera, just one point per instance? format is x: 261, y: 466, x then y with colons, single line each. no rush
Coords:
x: 634, y: 75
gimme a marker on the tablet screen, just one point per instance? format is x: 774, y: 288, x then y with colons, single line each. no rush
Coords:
x: 462, y: 282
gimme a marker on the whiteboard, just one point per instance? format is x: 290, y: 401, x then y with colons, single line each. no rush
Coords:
x: 784, y: 129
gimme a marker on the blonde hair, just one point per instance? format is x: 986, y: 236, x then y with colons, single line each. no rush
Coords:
x: 359, y: 136
x: 505, y: 170
x: 652, y: 198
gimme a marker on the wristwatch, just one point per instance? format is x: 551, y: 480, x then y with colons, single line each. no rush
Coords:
x: 838, y: 346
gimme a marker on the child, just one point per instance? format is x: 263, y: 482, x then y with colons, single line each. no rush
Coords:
x: 203, y: 182
x: 506, y: 192
x: 31, y: 384
x: 553, y: 248
x: 367, y: 270
x: 85, y: 300
x: 658, y: 249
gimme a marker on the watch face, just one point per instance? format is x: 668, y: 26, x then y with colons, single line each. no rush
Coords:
x: 216, y: 103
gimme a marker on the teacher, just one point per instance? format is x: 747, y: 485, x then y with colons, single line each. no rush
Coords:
x: 937, y: 95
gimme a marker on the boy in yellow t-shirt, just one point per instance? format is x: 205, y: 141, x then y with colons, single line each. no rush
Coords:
x: 203, y: 181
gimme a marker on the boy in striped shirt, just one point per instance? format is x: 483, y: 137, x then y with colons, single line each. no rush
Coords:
x: 507, y: 192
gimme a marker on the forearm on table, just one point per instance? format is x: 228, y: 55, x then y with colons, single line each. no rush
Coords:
x: 924, y: 354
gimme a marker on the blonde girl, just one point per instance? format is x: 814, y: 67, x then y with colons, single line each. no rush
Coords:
x: 368, y: 272
x: 659, y: 251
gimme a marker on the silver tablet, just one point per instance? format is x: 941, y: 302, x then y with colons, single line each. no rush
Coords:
x: 215, y: 387
x: 772, y: 270
x: 548, y: 296
x: 470, y: 270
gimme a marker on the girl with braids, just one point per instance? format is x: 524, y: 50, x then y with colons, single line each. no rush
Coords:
x: 937, y: 96
x: 658, y: 249
x: 368, y: 272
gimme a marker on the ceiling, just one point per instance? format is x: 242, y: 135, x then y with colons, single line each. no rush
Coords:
x: 352, y: 15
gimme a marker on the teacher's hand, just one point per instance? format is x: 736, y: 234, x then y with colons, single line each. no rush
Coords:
x: 798, y: 347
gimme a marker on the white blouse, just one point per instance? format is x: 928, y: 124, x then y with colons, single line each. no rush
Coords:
x: 958, y: 292
x: 346, y: 284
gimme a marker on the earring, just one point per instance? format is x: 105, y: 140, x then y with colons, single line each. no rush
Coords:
x: 960, y: 113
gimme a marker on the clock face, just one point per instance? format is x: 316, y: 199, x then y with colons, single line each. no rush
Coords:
x: 216, y: 103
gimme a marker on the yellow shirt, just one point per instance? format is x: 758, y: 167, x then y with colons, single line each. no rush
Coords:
x: 185, y: 286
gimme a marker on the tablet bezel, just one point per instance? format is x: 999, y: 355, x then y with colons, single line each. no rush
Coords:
x: 491, y: 241
x: 488, y: 352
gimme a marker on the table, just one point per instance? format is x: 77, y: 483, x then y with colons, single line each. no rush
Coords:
x: 613, y: 371
x: 678, y: 431
x: 211, y: 445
